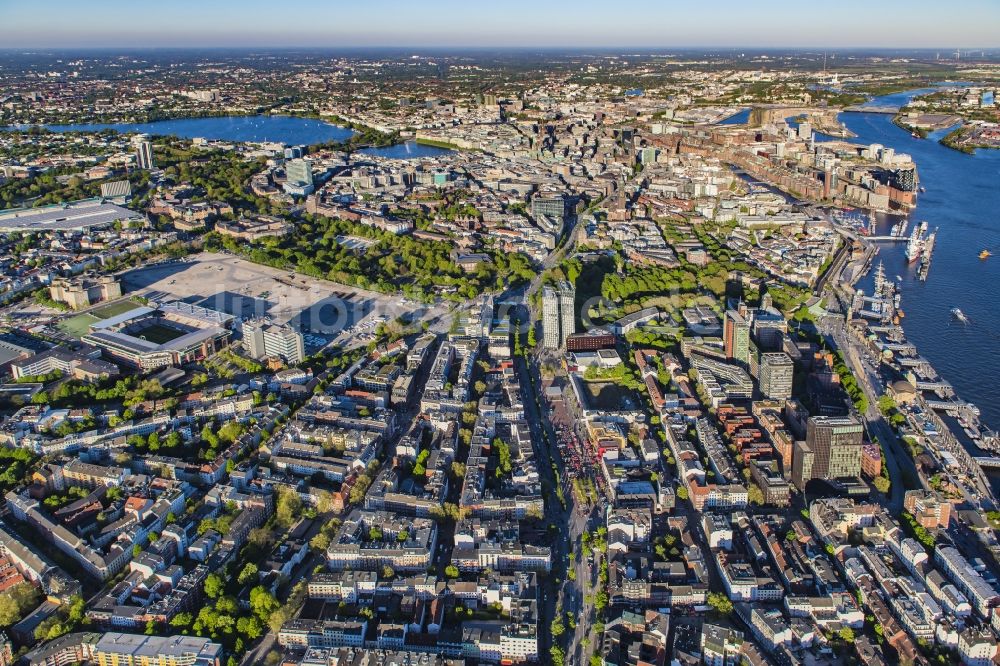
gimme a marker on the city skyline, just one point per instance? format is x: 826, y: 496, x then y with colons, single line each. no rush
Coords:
x: 448, y: 23
x: 429, y: 334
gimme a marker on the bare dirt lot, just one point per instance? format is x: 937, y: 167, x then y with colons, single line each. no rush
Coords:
x: 323, y: 311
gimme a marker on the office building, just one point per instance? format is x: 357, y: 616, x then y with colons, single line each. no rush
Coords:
x: 550, y: 318
x: 299, y: 171
x: 553, y: 205
x: 776, y: 374
x: 567, y: 311
x: 262, y: 339
x: 832, y: 450
x: 558, y: 314
x: 736, y: 337
x: 144, y: 153
x: 299, y: 177
x: 802, y: 464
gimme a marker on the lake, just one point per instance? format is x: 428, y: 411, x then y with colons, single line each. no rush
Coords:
x: 408, y: 150
x: 289, y: 130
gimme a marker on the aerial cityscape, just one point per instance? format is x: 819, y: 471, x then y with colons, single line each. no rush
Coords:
x: 399, y: 334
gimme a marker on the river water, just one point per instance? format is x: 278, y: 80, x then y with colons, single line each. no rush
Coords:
x: 963, y: 201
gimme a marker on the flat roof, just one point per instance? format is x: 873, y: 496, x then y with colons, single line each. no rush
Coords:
x: 128, y: 315
x: 82, y: 214
x: 139, y: 645
x: 139, y: 345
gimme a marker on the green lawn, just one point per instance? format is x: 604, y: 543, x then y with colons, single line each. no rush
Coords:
x: 114, y: 309
x: 78, y: 325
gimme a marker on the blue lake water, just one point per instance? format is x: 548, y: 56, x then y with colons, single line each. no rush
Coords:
x: 963, y: 201
x: 289, y: 130
x: 408, y: 150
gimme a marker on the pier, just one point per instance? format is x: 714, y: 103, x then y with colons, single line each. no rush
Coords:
x: 988, y: 462
x: 950, y: 407
x: 936, y: 387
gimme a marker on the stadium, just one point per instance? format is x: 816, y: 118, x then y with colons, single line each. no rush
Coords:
x: 161, y: 335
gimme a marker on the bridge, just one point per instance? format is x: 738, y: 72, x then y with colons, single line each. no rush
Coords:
x: 872, y: 109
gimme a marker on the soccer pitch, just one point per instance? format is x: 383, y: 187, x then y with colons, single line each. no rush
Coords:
x: 78, y: 325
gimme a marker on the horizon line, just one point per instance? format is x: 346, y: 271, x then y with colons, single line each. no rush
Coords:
x: 511, y: 47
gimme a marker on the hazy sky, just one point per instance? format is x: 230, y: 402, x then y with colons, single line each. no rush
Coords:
x: 538, y: 23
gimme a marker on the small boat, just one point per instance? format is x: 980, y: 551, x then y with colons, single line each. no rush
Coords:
x: 899, y: 279
x: 985, y: 254
x: 914, y: 135
x: 959, y: 315
x: 922, y: 189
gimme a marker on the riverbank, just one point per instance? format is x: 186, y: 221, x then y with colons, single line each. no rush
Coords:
x: 162, y: 115
x: 921, y: 132
x: 952, y: 140
x: 960, y: 139
x: 960, y: 200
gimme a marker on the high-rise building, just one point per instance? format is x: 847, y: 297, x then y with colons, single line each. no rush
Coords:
x: 802, y: 464
x: 835, y: 443
x: 550, y: 318
x: 262, y: 339
x: 736, y: 336
x: 567, y: 311
x: 299, y: 172
x: 144, y: 154
x: 558, y: 314
x: 776, y: 374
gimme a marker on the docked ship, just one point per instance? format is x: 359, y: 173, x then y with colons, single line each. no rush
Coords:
x: 925, y: 258
x: 915, y: 246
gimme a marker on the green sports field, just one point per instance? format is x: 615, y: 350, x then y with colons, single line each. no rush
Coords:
x: 158, y: 333
x: 114, y: 309
x: 78, y: 325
